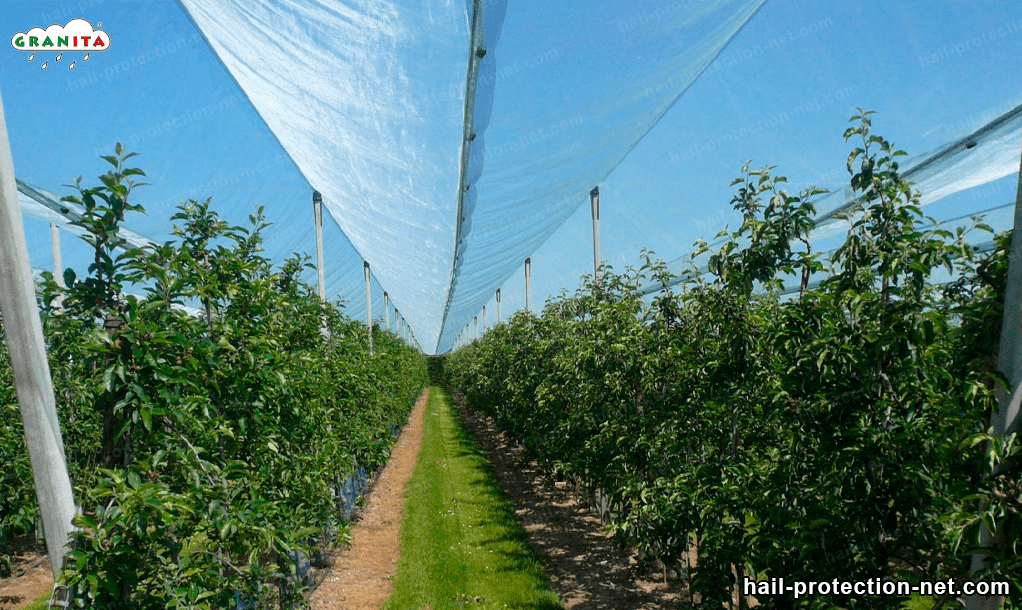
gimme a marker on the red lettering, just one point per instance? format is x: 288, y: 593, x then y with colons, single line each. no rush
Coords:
x: 99, y: 42
x: 85, y: 40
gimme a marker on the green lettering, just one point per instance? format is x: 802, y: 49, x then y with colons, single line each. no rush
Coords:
x: 47, y: 42
x: 62, y: 41
x: 33, y: 41
x: 19, y: 41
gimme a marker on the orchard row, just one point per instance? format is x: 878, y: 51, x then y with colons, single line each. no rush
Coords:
x: 207, y: 452
x: 840, y: 433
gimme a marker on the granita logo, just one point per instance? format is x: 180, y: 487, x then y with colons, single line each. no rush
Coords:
x: 75, y: 35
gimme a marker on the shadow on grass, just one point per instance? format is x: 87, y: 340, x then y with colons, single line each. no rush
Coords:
x: 585, y: 567
x: 505, y: 519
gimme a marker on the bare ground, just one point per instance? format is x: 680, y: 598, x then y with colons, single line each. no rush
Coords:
x: 587, y: 568
x: 31, y: 575
x: 360, y: 574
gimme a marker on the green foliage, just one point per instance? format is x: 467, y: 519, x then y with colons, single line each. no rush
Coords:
x: 204, y: 450
x: 837, y: 434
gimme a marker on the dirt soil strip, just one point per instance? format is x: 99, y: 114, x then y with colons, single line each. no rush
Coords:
x: 360, y: 576
x: 32, y: 579
x: 586, y: 567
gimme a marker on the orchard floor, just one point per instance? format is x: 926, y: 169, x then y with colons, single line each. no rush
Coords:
x: 360, y: 576
x: 32, y: 577
x: 586, y: 567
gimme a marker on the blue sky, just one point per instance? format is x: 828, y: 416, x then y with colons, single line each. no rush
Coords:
x: 780, y: 93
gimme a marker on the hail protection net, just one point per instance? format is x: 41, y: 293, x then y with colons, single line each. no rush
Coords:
x: 452, y: 140
x: 369, y: 101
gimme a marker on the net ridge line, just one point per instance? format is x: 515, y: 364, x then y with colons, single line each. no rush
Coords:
x: 653, y: 123
x: 475, y: 53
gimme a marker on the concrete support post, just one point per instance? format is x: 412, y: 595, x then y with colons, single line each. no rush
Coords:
x: 23, y: 333
x: 1009, y: 362
x: 58, y: 267
x: 498, y: 306
x: 484, y: 319
x: 475, y: 324
x: 528, y: 279
x: 386, y: 309
x: 369, y: 305
x: 317, y: 213
x: 594, y: 205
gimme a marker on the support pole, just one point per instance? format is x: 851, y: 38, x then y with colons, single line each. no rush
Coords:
x: 528, y: 278
x: 58, y: 267
x: 1009, y: 361
x: 475, y: 332
x: 386, y: 309
x: 498, y: 306
x: 484, y: 319
x: 317, y: 213
x: 369, y: 306
x: 594, y: 205
x: 23, y: 333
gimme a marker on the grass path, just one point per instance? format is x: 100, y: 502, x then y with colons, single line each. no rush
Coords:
x: 461, y: 543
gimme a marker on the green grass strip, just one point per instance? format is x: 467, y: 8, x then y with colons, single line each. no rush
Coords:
x: 40, y: 604
x: 461, y: 543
